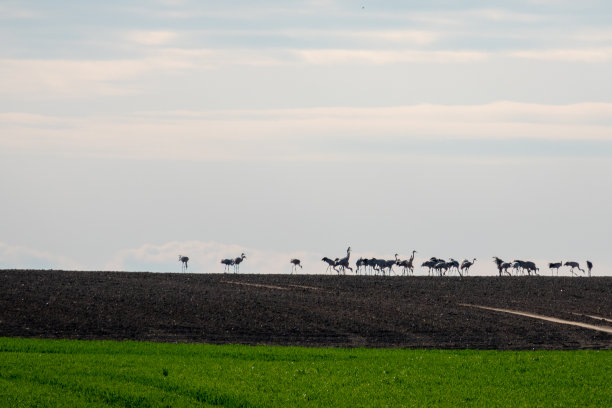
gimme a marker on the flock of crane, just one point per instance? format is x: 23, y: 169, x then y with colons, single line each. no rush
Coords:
x: 528, y: 267
x: 384, y: 267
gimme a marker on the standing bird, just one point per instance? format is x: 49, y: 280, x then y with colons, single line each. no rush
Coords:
x: 227, y: 263
x: 361, y: 263
x: 573, y: 265
x: 294, y: 264
x: 238, y: 261
x: 589, y: 266
x: 556, y: 266
x: 183, y: 260
x: 499, y: 264
x: 406, y: 264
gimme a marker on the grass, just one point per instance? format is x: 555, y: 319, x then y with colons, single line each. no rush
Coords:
x: 58, y: 373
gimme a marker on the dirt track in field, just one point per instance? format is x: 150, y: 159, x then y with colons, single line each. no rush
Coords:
x: 605, y: 329
x: 308, y: 310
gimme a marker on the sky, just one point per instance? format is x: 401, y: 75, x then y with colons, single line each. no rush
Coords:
x: 135, y: 131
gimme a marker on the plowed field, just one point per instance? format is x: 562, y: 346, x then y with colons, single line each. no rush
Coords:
x: 307, y: 310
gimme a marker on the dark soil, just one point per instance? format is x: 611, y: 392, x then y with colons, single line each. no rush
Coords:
x: 305, y: 310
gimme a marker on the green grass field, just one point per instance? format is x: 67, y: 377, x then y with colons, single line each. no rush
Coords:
x: 132, y: 374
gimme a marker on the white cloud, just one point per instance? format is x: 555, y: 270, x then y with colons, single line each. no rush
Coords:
x: 67, y: 78
x: 19, y: 257
x: 592, y: 35
x: 152, y: 37
x: 589, y: 55
x: 339, y: 56
x: 50, y: 78
x: 383, y: 36
x: 284, y: 134
x: 502, y: 15
x: 76, y: 78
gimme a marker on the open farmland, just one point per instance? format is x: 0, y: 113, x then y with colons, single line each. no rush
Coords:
x: 307, y: 310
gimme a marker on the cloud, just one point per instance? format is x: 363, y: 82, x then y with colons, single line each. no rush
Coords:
x: 592, y: 35
x: 589, y: 55
x: 383, y: 37
x: 19, y: 257
x: 502, y: 15
x: 159, y: 62
x: 50, y: 78
x: 152, y: 37
x: 339, y: 56
x: 78, y: 78
x: 300, y: 134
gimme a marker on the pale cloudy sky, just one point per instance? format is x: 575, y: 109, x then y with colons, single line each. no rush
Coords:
x: 132, y: 132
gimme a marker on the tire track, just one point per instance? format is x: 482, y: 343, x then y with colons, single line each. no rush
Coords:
x: 256, y: 285
x: 593, y: 317
x: 605, y: 329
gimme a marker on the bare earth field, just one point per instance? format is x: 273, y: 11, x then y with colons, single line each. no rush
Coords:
x: 309, y: 310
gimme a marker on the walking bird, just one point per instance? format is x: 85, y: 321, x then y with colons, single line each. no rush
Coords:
x: 452, y: 263
x: 573, y: 265
x: 505, y: 266
x: 466, y: 265
x: 330, y: 263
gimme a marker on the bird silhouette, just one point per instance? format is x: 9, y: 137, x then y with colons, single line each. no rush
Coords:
x: 238, y: 261
x: 589, y: 267
x: 499, y: 263
x: 330, y: 263
x: 573, y: 265
x: 361, y: 263
x: 294, y: 264
x: 556, y: 266
x: 466, y: 265
x: 531, y: 267
x: 343, y: 263
x: 505, y: 266
x: 227, y: 262
x: 430, y: 264
x: 407, y: 265
x: 183, y: 260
